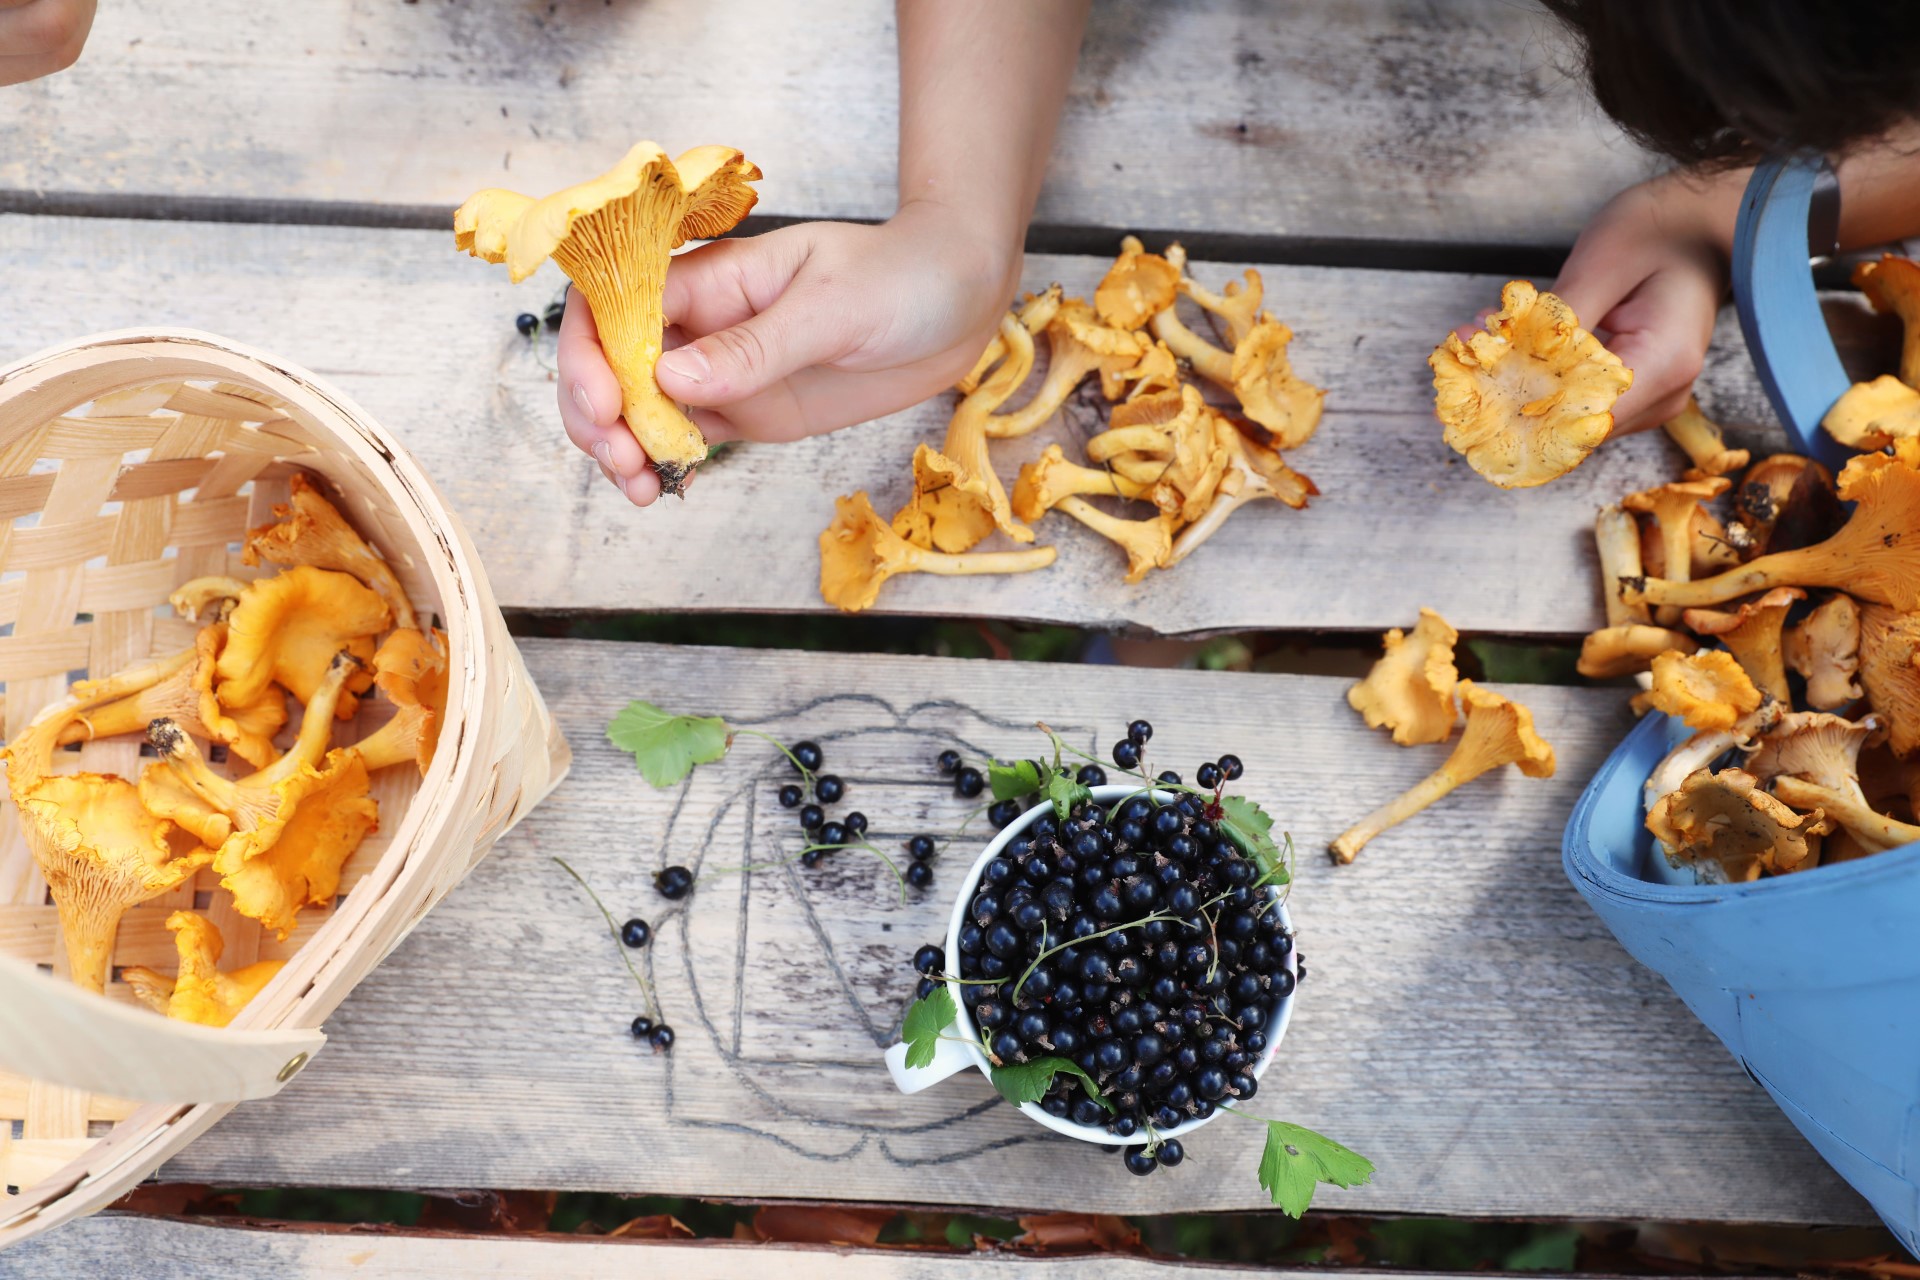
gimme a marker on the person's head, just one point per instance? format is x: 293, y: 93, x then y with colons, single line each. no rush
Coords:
x: 1713, y: 82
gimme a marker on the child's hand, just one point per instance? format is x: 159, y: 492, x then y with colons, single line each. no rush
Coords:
x: 1647, y: 276
x: 40, y: 37
x: 798, y: 331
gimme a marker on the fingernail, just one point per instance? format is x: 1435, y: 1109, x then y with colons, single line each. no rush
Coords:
x: 687, y: 362
x: 586, y: 405
x: 603, y: 454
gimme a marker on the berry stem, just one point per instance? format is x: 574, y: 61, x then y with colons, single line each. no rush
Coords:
x: 892, y: 866
x: 1114, y: 928
x: 653, y: 1006
x: 805, y: 772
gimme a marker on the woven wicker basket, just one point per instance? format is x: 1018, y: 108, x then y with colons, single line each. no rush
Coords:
x: 130, y: 462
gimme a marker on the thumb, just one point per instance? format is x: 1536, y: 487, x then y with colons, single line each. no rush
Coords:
x: 736, y: 363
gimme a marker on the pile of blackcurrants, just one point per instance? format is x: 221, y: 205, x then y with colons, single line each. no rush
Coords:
x: 827, y: 790
x: 1133, y: 941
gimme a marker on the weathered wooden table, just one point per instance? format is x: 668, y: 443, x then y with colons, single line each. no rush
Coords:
x: 283, y: 174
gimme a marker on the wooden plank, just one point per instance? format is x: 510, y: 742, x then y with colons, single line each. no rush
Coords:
x: 167, y: 1249
x: 1468, y: 1023
x: 423, y: 338
x: 1374, y: 120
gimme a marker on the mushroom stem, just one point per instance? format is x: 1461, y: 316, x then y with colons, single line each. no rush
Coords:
x: 1216, y: 515
x: 130, y: 714
x: 1397, y: 810
x: 1617, y: 535
x: 1153, y: 441
x: 1209, y: 361
x: 1065, y: 369
x: 968, y: 563
x: 1700, y: 439
x: 1146, y: 542
x: 1876, y: 831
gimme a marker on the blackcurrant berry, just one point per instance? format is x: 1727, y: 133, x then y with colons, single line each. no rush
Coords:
x: 1109, y: 1055
x: 855, y: 823
x: 1230, y: 767
x: 947, y: 761
x: 1124, y: 1126
x: 1165, y: 1117
x: 636, y: 932
x: 1171, y: 1152
x: 1139, y: 732
x: 929, y: 959
x: 920, y: 848
x: 1207, y: 776
x: 1006, y: 1047
x: 673, y: 882
x: 1055, y: 1106
x: 812, y: 857
x: 925, y: 988
x: 1091, y: 775
x: 998, y: 872
x: 1243, y: 1086
x: 555, y: 312
x: 969, y: 782
x: 1106, y: 902
x: 1167, y: 823
x: 661, y: 1038
x: 1149, y: 1049
x: 1210, y: 1082
x: 1028, y: 915
x: 1003, y: 812
x: 832, y: 833
x: 811, y: 816
x: 791, y: 795
x: 642, y: 1027
x: 919, y: 875
x: 527, y: 323
x: 828, y: 789
x: 1169, y: 776
x: 1284, y: 982
x: 1126, y: 754
x: 1138, y: 1161
x: 990, y: 1014
x: 1087, y: 1111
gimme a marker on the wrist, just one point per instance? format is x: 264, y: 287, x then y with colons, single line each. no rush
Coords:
x: 981, y: 243
x: 1700, y: 209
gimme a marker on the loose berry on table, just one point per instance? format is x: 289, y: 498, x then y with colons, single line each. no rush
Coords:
x: 673, y: 882
x: 828, y: 789
x: 808, y: 754
x: 636, y: 932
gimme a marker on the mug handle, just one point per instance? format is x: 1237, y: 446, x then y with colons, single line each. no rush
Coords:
x: 950, y: 1057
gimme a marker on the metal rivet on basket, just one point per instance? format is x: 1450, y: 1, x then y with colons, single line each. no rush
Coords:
x: 293, y: 1066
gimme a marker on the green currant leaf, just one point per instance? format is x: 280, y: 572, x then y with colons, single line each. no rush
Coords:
x: 1023, y: 1082
x: 1011, y: 781
x: 1065, y: 794
x: 926, y: 1019
x: 1250, y: 828
x: 1297, y: 1160
x: 666, y: 747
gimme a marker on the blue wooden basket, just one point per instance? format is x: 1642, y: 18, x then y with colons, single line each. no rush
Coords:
x: 1812, y: 981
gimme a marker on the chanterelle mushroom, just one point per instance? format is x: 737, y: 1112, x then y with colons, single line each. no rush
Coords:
x: 1238, y: 307
x: 1410, y: 689
x: 1253, y: 472
x: 1137, y: 287
x: 1825, y: 649
x: 1893, y: 285
x: 1051, y: 477
x: 186, y: 695
x: 1812, y: 761
x: 1726, y: 828
x: 1497, y: 732
x: 98, y: 849
x: 859, y: 552
x: 1078, y: 344
x: 1875, y: 555
x: 1617, y: 536
x: 1528, y: 399
x: 1269, y: 391
x: 1628, y: 648
x: 1890, y: 672
x: 612, y: 235
x: 1706, y: 690
x: 1786, y: 501
x: 1699, y: 438
x: 1872, y: 415
x: 1753, y: 636
x: 310, y: 530
x: 1674, y: 506
x: 411, y: 669
x: 1147, y: 542
x: 286, y: 631
x: 198, y: 991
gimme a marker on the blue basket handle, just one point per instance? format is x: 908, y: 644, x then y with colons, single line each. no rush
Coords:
x: 1779, y: 311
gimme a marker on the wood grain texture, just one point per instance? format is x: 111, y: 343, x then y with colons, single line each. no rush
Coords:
x: 423, y: 338
x: 163, y: 1249
x: 1382, y: 119
x: 1468, y: 1023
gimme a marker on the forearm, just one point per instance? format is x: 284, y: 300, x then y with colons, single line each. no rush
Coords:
x: 981, y: 87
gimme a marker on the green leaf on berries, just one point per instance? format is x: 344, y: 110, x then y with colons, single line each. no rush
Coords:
x: 1250, y: 828
x: 926, y: 1018
x: 1011, y: 781
x: 664, y: 746
x: 1024, y: 1082
x: 1297, y: 1160
x: 1066, y: 794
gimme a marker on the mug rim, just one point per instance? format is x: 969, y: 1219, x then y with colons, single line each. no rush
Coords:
x: 1276, y: 1024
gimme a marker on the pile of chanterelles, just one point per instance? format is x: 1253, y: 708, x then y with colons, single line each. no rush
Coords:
x: 329, y: 626
x: 1191, y: 462
x: 1783, y: 628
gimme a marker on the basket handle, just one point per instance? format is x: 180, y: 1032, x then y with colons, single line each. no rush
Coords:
x: 53, y: 1031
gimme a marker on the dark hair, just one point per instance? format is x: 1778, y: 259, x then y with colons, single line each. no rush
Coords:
x: 1718, y: 82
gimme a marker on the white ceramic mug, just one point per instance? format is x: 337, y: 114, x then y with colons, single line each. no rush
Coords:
x: 959, y: 1046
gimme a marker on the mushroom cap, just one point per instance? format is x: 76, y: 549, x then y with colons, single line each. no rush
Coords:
x: 287, y: 629
x: 1237, y: 306
x: 1136, y: 286
x: 309, y: 530
x: 1050, y: 477
x: 952, y: 507
x: 1889, y: 670
x: 1824, y: 647
x: 1409, y: 690
x: 411, y: 669
x: 1786, y: 500
x: 214, y: 595
x: 706, y: 188
x: 1723, y: 824
x: 1268, y: 390
x: 1753, y: 634
x: 1893, y: 285
x: 1707, y: 690
x: 1872, y: 415
x: 199, y: 992
x: 302, y: 866
x: 858, y: 553
x: 1629, y: 647
x: 1528, y: 399
x: 1157, y: 371
x: 1498, y: 731
x: 1813, y: 745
